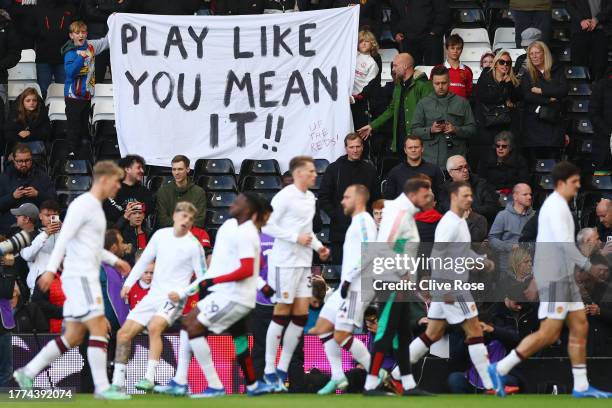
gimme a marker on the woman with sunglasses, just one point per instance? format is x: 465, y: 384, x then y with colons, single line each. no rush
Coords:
x: 503, y: 166
x: 496, y: 94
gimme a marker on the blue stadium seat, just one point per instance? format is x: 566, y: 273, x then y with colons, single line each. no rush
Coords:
x: 72, y: 166
x: 266, y: 182
x: 154, y: 183
x: 577, y: 72
x: 219, y: 199
x: 544, y: 166
x: 218, y: 183
x: 73, y: 183
x: 216, y: 216
x: 213, y: 166
x: 321, y: 165
x: 259, y: 167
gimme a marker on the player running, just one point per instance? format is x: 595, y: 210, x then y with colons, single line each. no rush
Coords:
x: 177, y: 255
x: 343, y: 311
x: 290, y: 263
x: 80, y: 244
x: 452, y: 240
x: 232, y: 283
x: 556, y: 258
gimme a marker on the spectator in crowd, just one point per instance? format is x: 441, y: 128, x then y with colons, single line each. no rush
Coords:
x: 543, y: 88
x: 38, y: 253
x: 418, y: 27
x: 28, y: 121
x: 588, y: 241
x: 528, y: 36
x: 486, y: 60
x: 509, y: 223
x: 175, y: 7
x: 22, y: 183
x: 377, y: 210
x: 9, y: 297
x: 532, y: 13
x: 142, y: 287
x: 604, y: 216
x: 132, y: 194
x: 347, y: 170
x: 79, y: 63
x: 111, y: 280
x: 410, y: 87
x: 367, y: 75
x: 495, y: 99
x: 10, y: 52
x: 95, y: 13
x: 370, y: 12
x: 414, y: 164
x: 182, y: 189
x: 503, y: 165
x: 590, y: 22
x: 50, y: 26
x: 427, y: 220
x: 444, y: 121
x: 134, y: 232
x: 51, y: 303
x: 461, y: 76
x: 600, y: 113
x: 485, y: 199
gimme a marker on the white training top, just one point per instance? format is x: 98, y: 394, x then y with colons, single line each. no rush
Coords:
x: 366, y: 70
x: 362, y: 229
x: 37, y: 256
x: 81, y: 240
x: 292, y: 215
x: 176, y: 260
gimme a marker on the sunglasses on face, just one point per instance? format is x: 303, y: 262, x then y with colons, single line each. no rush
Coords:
x: 501, y: 146
x: 505, y: 62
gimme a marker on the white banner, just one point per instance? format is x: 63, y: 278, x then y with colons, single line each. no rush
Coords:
x: 240, y: 87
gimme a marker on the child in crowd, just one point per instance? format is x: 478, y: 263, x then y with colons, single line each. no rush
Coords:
x: 79, y: 64
x: 141, y: 288
x: 486, y: 61
x: 377, y: 210
x: 29, y: 120
x: 367, y: 69
x: 460, y: 75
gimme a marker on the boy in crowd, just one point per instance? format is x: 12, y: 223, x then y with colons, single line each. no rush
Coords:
x: 461, y: 76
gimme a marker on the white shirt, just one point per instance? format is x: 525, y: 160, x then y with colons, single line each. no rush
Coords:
x: 362, y: 229
x: 176, y: 260
x: 37, y: 256
x: 366, y: 70
x: 292, y: 215
x: 81, y: 240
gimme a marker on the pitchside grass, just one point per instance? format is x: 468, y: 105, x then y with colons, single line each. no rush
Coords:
x: 315, y: 401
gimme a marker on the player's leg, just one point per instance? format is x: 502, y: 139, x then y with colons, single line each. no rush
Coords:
x: 402, y: 351
x: 436, y: 327
x: 155, y: 328
x: 283, y: 281
x: 576, y: 348
x: 72, y: 337
x: 125, y: 335
x: 97, y: 352
x: 479, y: 355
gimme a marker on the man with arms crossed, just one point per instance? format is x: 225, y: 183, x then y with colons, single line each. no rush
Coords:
x: 80, y: 244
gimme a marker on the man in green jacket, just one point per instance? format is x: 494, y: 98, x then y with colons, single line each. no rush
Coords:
x: 443, y: 120
x: 182, y: 189
x: 410, y: 87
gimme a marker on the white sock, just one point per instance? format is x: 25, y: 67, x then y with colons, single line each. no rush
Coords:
x: 151, y: 367
x: 359, y: 352
x: 273, y: 338
x: 371, y: 382
x: 581, y: 383
x: 96, y: 355
x: 480, y: 358
x: 201, y: 350
x: 293, y: 333
x: 50, y: 352
x: 418, y: 349
x: 334, y: 356
x: 408, y: 382
x: 184, y: 358
x: 119, y: 374
x: 395, y: 373
x: 508, y: 363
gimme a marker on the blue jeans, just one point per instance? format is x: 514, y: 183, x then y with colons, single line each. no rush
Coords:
x: 6, y: 359
x: 47, y: 73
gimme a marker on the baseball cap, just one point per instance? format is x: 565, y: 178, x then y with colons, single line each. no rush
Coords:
x: 530, y: 35
x: 27, y: 210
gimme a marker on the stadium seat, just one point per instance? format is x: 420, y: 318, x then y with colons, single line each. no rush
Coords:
x: 325, y: 220
x: 577, y: 72
x: 265, y: 182
x: 214, y: 166
x: 561, y: 35
x: 108, y: 150
x: 25, y: 70
x: 584, y: 126
x: 426, y: 69
x: 468, y: 17
x: 15, y: 88
x: 151, y: 170
x: 473, y: 36
x: 473, y: 54
x: 156, y: 182
x: 515, y: 53
x: 216, y: 216
x: 218, y: 183
x: 545, y: 182
x: 321, y: 165
x: 64, y: 199
x: 72, y: 167
x: 104, y: 109
x: 323, y: 235
x: 584, y: 146
x: 330, y: 272
x: 385, y: 74
x: 73, y: 183
x: 105, y: 129
x: 54, y: 91
x: 564, y: 54
x: 259, y: 167
x: 504, y: 38
x: 560, y: 15
x: 57, y: 110
x: 38, y: 148
x: 544, y: 166
x: 578, y: 106
x: 387, y: 54
x: 602, y: 182
x: 59, y: 151
x: 220, y: 198
x: 579, y: 89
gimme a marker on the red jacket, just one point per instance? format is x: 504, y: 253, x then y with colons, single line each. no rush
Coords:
x: 57, y: 298
x: 460, y: 80
x: 136, y: 294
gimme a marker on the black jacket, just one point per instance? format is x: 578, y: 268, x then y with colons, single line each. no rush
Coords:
x: 537, y: 132
x: 238, y: 7
x: 50, y: 27
x: 600, y: 327
x: 40, y: 128
x: 416, y: 18
x: 10, y: 53
x: 338, y: 176
x: 96, y: 12
x: 370, y: 12
x: 397, y: 176
x: 504, y: 174
x: 489, y: 93
x: 579, y: 10
x: 511, y: 327
x: 530, y: 230
x: 170, y: 7
x: 130, y: 236
x: 10, y: 180
x: 600, y: 112
x: 114, y: 208
x: 486, y: 200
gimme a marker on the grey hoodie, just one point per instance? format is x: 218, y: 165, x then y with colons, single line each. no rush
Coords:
x: 506, y: 231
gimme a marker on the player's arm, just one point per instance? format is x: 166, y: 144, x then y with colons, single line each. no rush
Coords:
x: 198, y: 261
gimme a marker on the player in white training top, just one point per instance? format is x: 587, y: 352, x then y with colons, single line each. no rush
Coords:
x: 80, y: 245
x: 290, y: 263
x: 556, y: 259
x: 452, y: 240
x: 228, y: 290
x: 343, y: 311
x: 177, y: 255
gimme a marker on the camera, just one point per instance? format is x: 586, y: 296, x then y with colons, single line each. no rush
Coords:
x: 15, y: 243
